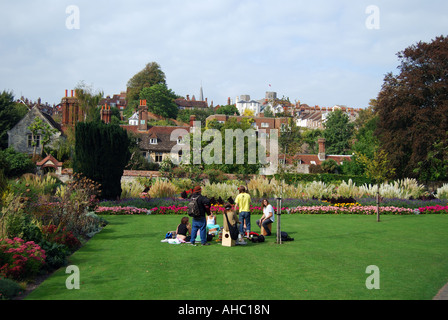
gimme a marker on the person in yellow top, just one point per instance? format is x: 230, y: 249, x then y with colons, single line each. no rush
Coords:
x: 242, y: 200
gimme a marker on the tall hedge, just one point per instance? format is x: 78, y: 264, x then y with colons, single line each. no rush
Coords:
x: 101, y: 153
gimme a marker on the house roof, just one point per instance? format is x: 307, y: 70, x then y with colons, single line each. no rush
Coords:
x: 47, y: 117
x: 190, y: 103
x: 163, y: 135
x: 49, y: 161
x: 308, y: 158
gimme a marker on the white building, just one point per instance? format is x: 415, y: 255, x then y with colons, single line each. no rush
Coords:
x: 133, y: 121
x: 245, y: 103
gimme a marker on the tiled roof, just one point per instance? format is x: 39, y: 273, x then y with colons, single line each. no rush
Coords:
x: 190, y: 103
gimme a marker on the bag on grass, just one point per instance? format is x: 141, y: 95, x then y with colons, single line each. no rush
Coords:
x: 257, y: 239
x: 286, y: 237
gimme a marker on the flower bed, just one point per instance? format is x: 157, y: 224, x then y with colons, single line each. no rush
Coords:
x: 350, y: 210
x: 169, y: 206
x: 20, y: 260
x: 121, y: 210
x: 434, y: 209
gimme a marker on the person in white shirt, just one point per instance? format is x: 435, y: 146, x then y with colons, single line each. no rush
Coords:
x: 267, y: 218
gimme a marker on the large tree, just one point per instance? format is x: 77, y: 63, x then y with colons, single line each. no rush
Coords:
x: 151, y: 75
x: 101, y: 154
x: 89, y: 100
x: 338, y: 133
x: 412, y: 106
x: 160, y: 100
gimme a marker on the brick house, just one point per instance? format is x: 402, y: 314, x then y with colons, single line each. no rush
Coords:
x: 301, y: 162
x: 154, y: 141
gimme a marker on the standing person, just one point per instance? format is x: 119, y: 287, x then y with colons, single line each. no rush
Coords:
x: 268, y: 216
x: 242, y: 200
x: 200, y: 223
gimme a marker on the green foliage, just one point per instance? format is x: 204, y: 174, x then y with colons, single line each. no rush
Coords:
x: 160, y: 100
x: 378, y: 169
x: 435, y: 166
x: 56, y: 254
x: 412, y: 107
x: 15, y: 163
x: 338, y: 133
x: 9, y: 289
x: 229, y: 110
x: 15, y: 221
x: 151, y: 75
x: 101, y: 154
x: 329, y: 166
x: 39, y: 127
x: 290, y: 140
x: 88, y: 100
x: 201, y: 115
x: 10, y: 115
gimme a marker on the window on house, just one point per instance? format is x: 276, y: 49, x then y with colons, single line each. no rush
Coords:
x: 153, y: 141
x: 264, y: 125
x: 281, y: 161
x: 36, y: 140
x: 180, y: 140
x: 159, y: 157
x: 313, y: 162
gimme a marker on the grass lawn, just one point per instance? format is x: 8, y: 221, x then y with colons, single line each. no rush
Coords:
x: 327, y: 260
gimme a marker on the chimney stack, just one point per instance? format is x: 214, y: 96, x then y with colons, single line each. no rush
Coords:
x: 143, y: 116
x: 192, y: 120
x: 321, y: 155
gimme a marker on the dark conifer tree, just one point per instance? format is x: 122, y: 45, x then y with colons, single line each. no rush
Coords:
x: 101, y: 153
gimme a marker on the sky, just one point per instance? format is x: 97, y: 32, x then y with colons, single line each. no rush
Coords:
x: 321, y: 52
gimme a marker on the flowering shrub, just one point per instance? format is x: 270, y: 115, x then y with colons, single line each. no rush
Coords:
x: 20, y: 260
x: 120, y: 210
x: 433, y: 209
x: 350, y: 210
x: 61, y: 236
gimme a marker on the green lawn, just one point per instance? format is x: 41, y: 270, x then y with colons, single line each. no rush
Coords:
x: 327, y: 260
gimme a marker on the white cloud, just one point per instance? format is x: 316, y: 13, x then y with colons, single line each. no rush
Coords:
x: 319, y: 52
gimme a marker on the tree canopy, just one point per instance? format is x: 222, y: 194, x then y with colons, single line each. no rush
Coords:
x: 150, y: 75
x: 338, y: 133
x: 412, y: 106
x: 160, y: 100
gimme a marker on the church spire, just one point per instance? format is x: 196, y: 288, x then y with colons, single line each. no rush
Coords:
x: 201, y: 94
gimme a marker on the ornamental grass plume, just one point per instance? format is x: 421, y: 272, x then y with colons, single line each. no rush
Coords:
x: 442, y: 192
x: 162, y: 189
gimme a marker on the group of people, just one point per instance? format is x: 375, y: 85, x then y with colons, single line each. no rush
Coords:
x: 187, y: 232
